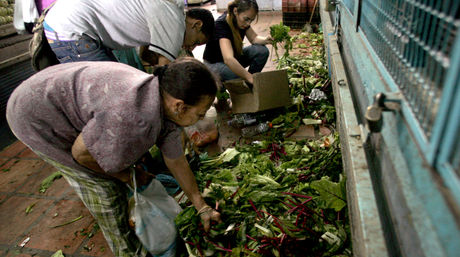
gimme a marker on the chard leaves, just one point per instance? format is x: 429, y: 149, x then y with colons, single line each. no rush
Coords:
x: 331, y: 195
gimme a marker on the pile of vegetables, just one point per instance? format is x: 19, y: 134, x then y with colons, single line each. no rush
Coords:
x: 6, y: 11
x: 278, y: 197
x: 275, y: 199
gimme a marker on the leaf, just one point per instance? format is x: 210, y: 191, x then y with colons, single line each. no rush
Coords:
x: 311, y: 122
x: 68, y: 222
x: 58, y: 254
x: 332, y: 195
x: 280, y: 34
x: 264, y: 180
x: 47, y: 182
x: 226, y: 156
x: 30, y: 208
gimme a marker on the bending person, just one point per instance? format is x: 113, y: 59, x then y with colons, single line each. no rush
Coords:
x: 224, y: 53
x: 93, y: 120
x: 88, y: 30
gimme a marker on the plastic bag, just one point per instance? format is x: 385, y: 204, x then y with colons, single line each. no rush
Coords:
x: 153, y: 214
x: 40, y: 51
x: 204, y: 131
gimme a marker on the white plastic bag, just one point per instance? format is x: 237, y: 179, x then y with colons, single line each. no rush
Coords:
x: 154, y: 213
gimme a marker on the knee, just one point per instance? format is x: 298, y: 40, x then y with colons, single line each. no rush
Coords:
x: 262, y: 50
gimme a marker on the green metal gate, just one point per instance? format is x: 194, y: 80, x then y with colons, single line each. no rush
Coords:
x: 410, y: 51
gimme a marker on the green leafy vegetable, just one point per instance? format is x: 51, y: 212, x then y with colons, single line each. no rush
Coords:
x: 280, y: 35
x: 58, y: 254
x: 276, y: 196
x: 68, y: 222
x: 30, y: 208
x: 47, y: 182
x: 331, y: 194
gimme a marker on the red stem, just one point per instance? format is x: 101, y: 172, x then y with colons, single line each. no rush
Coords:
x: 288, y: 205
x: 220, y: 247
x: 298, y: 195
x: 276, y: 220
x: 282, y: 239
x: 236, y: 191
x: 199, y: 249
x: 246, y: 247
x: 252, y: 238
x: 299, y: 205
x: 255, y: 209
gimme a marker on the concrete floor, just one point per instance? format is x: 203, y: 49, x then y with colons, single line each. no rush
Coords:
x: 21, y: 173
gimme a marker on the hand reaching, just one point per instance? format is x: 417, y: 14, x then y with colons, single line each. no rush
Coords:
x: 208, y: 214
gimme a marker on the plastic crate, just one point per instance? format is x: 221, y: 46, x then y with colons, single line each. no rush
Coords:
x: 296, y: 13
x: 295, y: 20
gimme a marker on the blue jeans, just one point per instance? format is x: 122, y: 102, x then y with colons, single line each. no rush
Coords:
x: 254, y: 56
x: 83, y: 49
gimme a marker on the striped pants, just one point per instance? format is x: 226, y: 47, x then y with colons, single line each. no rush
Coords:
x: 107, y: 200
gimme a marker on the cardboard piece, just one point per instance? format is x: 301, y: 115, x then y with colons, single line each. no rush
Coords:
x: 270, y: 90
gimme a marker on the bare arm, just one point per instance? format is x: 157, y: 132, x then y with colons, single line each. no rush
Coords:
x: 229, y: 59
x: 256, y: 39
x: 81, y: 154
x: 151, y: 57
x: 181, y: 170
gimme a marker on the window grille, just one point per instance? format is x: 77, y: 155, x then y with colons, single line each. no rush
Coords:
x: 350, y: 4
x: 414, y: 40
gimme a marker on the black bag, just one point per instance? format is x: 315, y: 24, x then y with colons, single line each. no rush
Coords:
x: 39, y: 49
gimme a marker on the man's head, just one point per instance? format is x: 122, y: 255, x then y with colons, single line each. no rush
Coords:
x: 199, y: 27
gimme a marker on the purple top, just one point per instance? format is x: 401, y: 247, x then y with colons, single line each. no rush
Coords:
x: 117, y: 109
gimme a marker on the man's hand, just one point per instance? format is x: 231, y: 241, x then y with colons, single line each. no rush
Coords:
x: 208, y: 214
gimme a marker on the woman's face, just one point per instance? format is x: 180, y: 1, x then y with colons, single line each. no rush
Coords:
x: 191, y: 114
x: 244, y: 19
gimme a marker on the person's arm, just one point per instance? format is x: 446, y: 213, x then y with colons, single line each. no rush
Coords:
x: 230, y: 60
x: 181, y: 171
x: 83, y: 157
x: 162, y: 60
x: 256, y: 39
x: 151, y: 57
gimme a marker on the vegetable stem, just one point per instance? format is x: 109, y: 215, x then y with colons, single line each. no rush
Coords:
x: 255, y: 209
x: 68, y: 222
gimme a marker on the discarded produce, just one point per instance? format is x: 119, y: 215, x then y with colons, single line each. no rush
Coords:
x: 69, y: 222
x: 278, y: 197
x: 47, y: 182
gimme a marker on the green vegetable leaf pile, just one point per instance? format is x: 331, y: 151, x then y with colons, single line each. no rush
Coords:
x: 268, y: 207
x: 276, y: 196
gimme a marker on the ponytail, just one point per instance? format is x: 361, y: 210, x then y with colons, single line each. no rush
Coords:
x: 159, y: 71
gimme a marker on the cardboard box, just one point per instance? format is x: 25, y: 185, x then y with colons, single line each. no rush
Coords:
x: 270, y: 90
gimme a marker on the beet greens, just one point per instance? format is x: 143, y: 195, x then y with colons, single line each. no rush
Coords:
x: 278, y: 197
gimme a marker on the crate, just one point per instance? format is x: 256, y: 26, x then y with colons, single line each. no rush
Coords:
x: 295, y: 20
x: 296, y: 13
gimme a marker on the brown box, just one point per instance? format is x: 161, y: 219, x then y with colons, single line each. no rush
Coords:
x: 270, y: 90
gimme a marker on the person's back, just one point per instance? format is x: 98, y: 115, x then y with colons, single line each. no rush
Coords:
x: 118, y: 24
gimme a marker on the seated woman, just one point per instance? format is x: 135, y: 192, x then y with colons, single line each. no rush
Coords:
x: 224, y: 53
x: 94, y: 120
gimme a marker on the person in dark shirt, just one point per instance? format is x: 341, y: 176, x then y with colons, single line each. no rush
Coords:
x: 224, y: 53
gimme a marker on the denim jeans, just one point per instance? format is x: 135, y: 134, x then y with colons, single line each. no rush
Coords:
x: 83, y: 49
x: 254, y: 56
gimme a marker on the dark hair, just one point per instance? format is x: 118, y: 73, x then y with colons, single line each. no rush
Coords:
x: 206, y: 17
x: 186, y: 79
x: 242, y: 6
